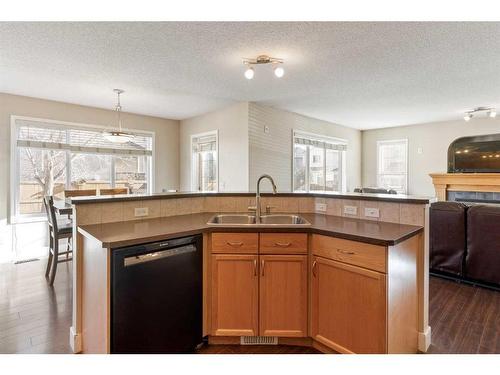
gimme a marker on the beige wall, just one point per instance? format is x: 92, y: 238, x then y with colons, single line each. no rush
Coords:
x: 166, y: 136
x: 232, y: 124
x: 272, y: 152
x: 433, y: 139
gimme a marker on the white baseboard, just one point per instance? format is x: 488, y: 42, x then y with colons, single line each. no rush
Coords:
x: 424, y: 340
x: 75, y: 340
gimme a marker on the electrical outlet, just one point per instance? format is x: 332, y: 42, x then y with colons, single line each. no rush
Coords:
x: 142, y: 211
x: 372, y: 212
x: 350, y: 210
x: 320, y: 207
x: 420, y: 151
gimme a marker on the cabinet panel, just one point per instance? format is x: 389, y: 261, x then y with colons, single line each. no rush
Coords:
x: 283, y: 243
x: 352, y: 252
x: 244, y: 243
x: 348, y: 307
x: 283, y: 295
x: 235, y: 288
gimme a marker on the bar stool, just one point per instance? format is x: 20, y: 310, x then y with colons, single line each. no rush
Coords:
x: 57, y: 231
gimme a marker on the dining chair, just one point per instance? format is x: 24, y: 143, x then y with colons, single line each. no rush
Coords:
x: 114, y: 191
x: 57, y: 231
x: 79, y: 193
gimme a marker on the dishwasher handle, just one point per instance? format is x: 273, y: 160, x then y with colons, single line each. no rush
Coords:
x: 157, y: 255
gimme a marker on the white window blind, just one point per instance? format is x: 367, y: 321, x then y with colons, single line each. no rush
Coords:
x: 37, y: 134
x: 205, y: 143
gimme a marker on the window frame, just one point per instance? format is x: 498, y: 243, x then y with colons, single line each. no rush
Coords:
x: 407, y: 161
x: 326, y: 139
x: 195, y: 173
x: 13, y: 213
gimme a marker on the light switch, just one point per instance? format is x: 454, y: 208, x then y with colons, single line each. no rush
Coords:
x: 320, y: 207
x: 141, y: 211
x: 372, y: 212
x: 350, y: 210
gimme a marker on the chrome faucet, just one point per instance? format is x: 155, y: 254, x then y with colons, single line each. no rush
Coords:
x: 257, y: 195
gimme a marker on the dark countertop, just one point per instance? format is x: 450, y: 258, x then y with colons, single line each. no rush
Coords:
x: 398, y: 198
x: 127, y: 233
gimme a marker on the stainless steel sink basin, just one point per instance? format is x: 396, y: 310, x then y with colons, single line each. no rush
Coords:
x: 243, y: 220
x: 283, y: 220
x: 230, y: 219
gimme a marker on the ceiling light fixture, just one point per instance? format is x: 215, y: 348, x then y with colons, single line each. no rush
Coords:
x: 490, y: 112
x: 118, y: 136
x: 278, y: 69
x: 249, y: 73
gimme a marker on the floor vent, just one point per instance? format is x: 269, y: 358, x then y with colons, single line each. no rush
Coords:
x: 259, y: 340
x: 26, y: 261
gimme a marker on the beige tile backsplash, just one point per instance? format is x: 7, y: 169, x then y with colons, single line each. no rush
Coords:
x: 96, y: 213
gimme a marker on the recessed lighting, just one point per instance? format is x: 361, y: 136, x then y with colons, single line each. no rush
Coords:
x: 466, y: 151
x: 490, y: 156
x: 458, y: 152
x: 497, y: 156
x: 484, y: 156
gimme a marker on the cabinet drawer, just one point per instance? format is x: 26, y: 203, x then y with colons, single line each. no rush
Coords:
x: 246, y: 243
x: 283, y: 243
x: 352, y: 252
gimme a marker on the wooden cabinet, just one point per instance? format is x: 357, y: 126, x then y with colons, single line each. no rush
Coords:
x: 254, y: 295
x: 283, y: 243
x: 234, y: 297
x: 232, y: 243
x: 348, y: 307
x: 283, y: 295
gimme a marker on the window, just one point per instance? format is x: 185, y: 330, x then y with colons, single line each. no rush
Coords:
x: 49, y: 157
x: 318, y: 163
x: 392, y: 165
x: 204, y: 162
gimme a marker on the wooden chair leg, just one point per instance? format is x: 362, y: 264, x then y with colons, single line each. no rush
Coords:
x: 51, y: 249
x: 55, y: 258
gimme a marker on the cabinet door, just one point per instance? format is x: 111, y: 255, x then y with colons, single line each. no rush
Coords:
x: 235, y: 288
x: 283, y: 295
x: 348, y: 307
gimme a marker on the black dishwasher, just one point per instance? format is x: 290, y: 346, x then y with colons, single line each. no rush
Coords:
x: 156, y: 297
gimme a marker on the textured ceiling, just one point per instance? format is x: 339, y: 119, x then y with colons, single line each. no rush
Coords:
x: 362, y: 75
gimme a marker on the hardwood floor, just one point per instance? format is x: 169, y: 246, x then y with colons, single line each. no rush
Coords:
x: 463, y: 318
x: 35, y: 318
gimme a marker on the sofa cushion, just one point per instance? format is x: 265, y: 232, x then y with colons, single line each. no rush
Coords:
x: 483, y: 244
x: 447, y: 246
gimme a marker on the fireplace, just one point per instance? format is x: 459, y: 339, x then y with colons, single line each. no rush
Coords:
x: 473, y: 171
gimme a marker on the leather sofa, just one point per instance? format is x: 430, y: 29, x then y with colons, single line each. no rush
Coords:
x: 465, y: 242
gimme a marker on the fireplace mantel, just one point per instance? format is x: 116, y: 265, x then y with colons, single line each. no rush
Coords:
x: 482, y: 182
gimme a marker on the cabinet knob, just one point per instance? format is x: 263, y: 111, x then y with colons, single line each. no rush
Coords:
x: 314, y: 268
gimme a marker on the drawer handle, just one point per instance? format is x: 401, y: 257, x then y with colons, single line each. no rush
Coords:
x: 346, y: 252
x: 234, y: 243
x: 281, y: 244
x: 314, y: 268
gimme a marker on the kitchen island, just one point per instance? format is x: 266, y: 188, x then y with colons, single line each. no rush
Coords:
x: 385, y: 260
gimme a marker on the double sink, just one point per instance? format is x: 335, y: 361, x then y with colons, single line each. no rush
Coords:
x: 271, y: 220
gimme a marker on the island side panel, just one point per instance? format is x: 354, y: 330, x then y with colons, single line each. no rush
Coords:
x: 402, y: 296
x: 95, y: 297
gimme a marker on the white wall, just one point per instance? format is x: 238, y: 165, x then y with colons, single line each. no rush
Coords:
x: 166, y: 136
x: 434, y: 139
x: 272, y: 152
x: 232, y: 124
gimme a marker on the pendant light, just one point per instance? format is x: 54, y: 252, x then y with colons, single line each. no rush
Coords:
x: 118, y: 136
